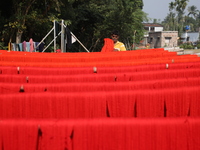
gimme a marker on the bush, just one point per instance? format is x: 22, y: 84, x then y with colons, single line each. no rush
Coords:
x: 187, y: 46
x: 181, y: 46
x: 198, y: 46
x: 2, y: 46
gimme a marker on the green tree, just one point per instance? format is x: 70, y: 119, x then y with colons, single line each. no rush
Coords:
x: 170, y: 22
x: 27, y: 15
x: 193, y: 21
x: 192, y: 10
x: 175, y: 19
x: 198, y: 20
x: 90, y: 20
x: 180, y: 6
x: 95, y: 20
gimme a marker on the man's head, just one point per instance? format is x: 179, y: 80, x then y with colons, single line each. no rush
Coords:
x: 115, y: 36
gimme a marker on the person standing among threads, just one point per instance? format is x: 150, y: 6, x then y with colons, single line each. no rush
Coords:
x: 118, y: 46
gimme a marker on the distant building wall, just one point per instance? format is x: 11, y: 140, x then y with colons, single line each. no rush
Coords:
x: 155, y: 39
x: 158, y: 29
x: 190, y: 37
x: 163, y: 39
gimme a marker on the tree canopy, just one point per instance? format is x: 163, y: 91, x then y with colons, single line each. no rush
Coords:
x: 178, y: 19
x: 90, y: 20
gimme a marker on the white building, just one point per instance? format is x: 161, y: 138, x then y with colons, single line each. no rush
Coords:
x: 190, y: 37
x: 153, y: 27
x: 155, y: 37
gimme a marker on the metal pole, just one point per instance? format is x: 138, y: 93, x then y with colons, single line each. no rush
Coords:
x: 54, y: 35
x: 52, y: 41
x: 134, y: 39
x: 62, y: 37
x: 78, y: 41
x: 44, y: 38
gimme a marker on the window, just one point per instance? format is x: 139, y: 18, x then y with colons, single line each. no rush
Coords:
x: 167, y: 40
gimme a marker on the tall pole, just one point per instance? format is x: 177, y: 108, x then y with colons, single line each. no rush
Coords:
x: 43, y: 39
x: 134, y: 39
x: 62, y: 37
x: 51, y: 42
x: 78, y: 40
x: 54, y: 24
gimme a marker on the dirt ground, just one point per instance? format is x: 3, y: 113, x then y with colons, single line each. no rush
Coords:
x: 194, y: 50
x: 184, y: 51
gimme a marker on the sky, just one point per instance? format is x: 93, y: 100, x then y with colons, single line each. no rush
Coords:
x: 158, y: 9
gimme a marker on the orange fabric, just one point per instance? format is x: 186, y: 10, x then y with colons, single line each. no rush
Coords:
x: 105, y: 134
x: 133, y: 97
x: 108, y: 45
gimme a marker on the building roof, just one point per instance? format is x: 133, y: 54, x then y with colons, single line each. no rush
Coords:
x: 152, y: 25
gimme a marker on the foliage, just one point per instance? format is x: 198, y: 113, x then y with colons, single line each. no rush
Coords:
x: 175, y: 19
x: 2, y: 46
x: 193, y: 11
x: 198, y: 46
x: 95, y: 21
x: 187, y: 46
x: 90, y: 20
